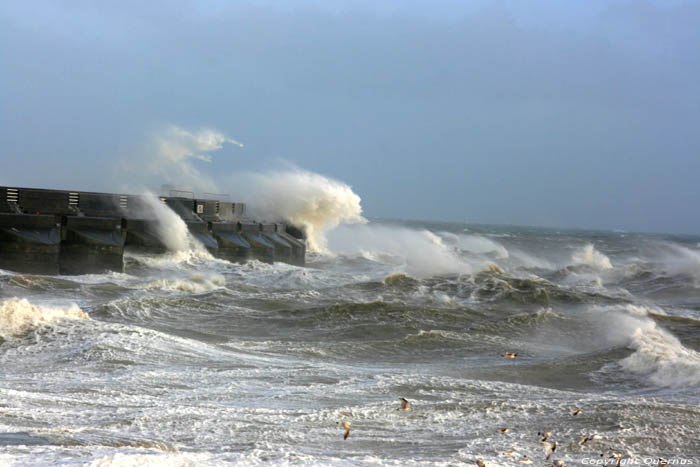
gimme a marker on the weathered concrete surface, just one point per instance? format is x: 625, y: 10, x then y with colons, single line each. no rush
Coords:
x: 69, y: 232
x: 30, y: 243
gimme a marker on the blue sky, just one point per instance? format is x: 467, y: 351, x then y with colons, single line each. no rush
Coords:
x: 567, y: 114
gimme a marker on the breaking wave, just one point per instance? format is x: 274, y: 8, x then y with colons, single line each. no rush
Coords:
x: 658, y: 356
x: 19, y: 316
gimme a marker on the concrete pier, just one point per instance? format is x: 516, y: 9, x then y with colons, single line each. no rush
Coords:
x: 71, y: 232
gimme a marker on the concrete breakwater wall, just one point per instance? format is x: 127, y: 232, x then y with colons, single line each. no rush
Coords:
x: 72, y: 232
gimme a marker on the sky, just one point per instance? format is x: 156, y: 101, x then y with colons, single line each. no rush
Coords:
x: 562, y: 114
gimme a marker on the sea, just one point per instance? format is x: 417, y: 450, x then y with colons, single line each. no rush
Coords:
x: 188, y: 360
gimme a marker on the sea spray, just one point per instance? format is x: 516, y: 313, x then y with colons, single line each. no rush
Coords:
x: 177, y: 147
x: 316, y: 203
x: 170, y: 156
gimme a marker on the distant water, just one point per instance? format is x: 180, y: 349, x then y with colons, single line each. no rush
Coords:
x: 189, y: 360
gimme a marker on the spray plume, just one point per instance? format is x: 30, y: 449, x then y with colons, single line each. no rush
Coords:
x: 170, y: 158
x: 306, y: 199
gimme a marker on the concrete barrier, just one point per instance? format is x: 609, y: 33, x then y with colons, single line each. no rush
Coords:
x: 40, y: 201
x: 70, y: 232
x: 30, y: 243
x: 91, y: 245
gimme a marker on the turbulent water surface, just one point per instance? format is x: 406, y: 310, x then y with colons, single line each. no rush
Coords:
x: 189, y: 360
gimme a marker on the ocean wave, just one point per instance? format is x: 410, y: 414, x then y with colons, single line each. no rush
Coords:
x: 658, y: 356
x: 19, y: 316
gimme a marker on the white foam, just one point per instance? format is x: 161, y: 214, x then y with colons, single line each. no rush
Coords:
x: 589, y: 256
x: 19, y: 316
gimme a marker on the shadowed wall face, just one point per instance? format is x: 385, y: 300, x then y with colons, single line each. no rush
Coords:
x: 511, y: 112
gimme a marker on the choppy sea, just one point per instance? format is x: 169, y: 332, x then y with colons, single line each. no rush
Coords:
x: 185, y: 359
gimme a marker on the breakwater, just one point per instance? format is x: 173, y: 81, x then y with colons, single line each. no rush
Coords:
x: 73, y: 232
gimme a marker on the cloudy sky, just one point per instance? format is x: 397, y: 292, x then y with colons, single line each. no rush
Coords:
x: 580, y: 114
